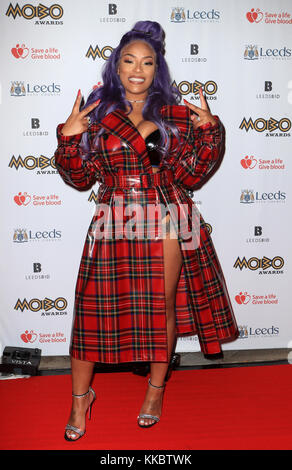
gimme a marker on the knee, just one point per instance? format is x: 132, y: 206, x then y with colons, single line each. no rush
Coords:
x: 169, y: 306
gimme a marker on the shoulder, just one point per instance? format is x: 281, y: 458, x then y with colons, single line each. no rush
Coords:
x: 178, y: 116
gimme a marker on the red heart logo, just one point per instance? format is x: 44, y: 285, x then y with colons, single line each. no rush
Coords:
x: 244, y: 162
x: 17, y: 199
x: 22, y: 198
x: 242, y: 298
x: 23, y: 51
x: 249, y: 17
x: 15, y: 52
x: 24, y: 337
x: 238, y: 299
x: 254, y: 15
x: 248, y: 162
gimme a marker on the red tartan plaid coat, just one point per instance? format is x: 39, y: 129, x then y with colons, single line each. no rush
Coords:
x: 119, y: 313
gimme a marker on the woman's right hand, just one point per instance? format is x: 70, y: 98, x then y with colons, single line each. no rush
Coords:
x: 77, y: 122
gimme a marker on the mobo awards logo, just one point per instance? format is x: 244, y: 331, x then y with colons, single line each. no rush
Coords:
x: 185, y: 87
x: 103, y: 53
x: 29, y: 12
x: 264, y: 265
x: 281, y: 126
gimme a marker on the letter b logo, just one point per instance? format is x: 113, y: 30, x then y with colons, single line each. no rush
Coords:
x: 35, y: 123
x: 194, y: 49
x: 112, y: 9
x: 268, y: 86
x: 37, y: 267
x: 258, y: 231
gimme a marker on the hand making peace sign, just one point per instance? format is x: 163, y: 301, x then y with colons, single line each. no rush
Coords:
x: 78, y: 122
x: 202, y: 115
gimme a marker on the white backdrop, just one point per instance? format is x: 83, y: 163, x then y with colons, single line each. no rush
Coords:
x: 241, y: 52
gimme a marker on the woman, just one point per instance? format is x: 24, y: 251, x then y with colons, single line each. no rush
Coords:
x: 141, y: 285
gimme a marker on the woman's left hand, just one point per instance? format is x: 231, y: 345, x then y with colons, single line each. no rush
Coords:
x: 202, y: 115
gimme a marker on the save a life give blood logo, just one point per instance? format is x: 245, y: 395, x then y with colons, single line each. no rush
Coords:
x: 28, y: 336
x: 243, y: 298
x: 24, y: 199
x: 269, y: 17
x: 31, y: 337
x: 254, y: 16
x: 249, y: 162
x: 20, y: 51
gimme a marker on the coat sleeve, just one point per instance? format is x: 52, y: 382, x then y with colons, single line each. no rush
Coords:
x: 75, y: 171
x: 201, y: 152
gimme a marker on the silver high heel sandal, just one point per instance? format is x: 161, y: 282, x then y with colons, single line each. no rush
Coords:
x: 147, y: 416
x: 69, y: 427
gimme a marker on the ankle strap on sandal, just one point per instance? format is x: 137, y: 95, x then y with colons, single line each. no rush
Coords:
x: 83, y: 394
x: 156, y: 386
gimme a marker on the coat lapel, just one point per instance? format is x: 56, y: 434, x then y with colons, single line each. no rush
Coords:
x: 118, y: 123
x: 121, y: 126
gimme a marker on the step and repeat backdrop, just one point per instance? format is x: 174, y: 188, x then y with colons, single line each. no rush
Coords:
x: 240, y: 52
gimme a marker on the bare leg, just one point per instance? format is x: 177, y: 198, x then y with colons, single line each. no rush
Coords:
x: 81, y: 378
x: 172, y: 267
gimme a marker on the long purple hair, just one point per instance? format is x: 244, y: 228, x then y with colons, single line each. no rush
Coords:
x: 112, y: 93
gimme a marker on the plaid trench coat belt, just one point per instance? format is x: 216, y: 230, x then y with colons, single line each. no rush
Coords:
x: 119, y: 310
x: 144, y: 180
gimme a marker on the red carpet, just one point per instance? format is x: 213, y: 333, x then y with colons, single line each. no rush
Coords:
x: 234, y: 408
